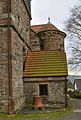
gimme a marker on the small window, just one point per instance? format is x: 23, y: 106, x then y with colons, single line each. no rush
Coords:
x: 43, y: 89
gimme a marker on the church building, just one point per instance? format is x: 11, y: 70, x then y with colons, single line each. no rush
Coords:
x: 45, y: 69
x: 32, y: 59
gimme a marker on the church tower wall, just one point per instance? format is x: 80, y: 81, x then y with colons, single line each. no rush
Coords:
x: 14, y: 36
x: 52, y: 40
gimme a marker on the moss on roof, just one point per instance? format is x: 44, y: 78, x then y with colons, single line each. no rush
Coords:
x: 45, y: 63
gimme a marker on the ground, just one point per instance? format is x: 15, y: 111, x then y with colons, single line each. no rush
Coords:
x: 74, y: 113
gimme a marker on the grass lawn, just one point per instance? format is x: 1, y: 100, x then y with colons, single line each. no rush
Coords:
x: 34, y: 116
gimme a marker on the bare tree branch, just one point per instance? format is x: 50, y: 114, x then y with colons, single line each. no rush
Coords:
x: 73, y: 27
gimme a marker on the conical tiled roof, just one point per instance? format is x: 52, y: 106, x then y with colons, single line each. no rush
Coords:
x: 43, y: 27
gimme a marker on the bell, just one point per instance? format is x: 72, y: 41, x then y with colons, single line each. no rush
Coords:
x: 37, y: 102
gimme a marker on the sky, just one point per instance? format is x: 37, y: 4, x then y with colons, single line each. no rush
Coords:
x: 57, y: 10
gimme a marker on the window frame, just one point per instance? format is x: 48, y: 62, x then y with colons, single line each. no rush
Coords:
x: 45, y: 90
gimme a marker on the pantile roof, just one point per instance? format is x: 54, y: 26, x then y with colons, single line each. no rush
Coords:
x: 43, y: 27
x: 45, y: 63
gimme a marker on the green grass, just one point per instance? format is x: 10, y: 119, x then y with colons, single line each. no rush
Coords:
x: 35, y: 116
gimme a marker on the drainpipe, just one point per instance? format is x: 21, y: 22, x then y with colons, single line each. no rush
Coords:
x: 9, y: 60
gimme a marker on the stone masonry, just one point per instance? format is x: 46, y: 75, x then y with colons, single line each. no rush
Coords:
x: 14, y: 27
x: 56, y: 87
x: 52, y: 40
x: 35, y: 41
x: 17, y: 38
x: 46, y: 37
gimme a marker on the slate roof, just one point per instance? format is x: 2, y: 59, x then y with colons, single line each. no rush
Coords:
x: 45, y: 63
x: 43, y: 27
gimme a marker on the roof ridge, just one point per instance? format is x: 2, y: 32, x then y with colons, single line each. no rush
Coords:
x: 37, y: 25
x: 43, y: 27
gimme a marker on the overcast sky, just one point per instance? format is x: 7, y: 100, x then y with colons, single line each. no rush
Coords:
x: 57, y: 10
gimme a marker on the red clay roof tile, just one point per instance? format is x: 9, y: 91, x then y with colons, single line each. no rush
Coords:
x: 45, y: 63
x: 43, y: 27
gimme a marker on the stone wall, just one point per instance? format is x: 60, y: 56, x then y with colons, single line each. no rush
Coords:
x: 3, y: 69
x: 56, y: 87
x: 56, y: 92
x: 3, y: 11
x: 3, y: 57
x: 35, y: 41
x: 20, y: 20
x: 17, y: 69
x: 52, y: 40
x: 19, y: 35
